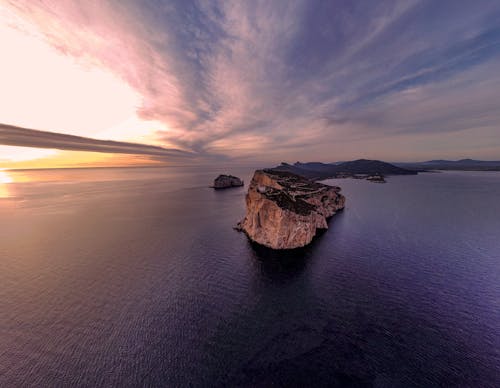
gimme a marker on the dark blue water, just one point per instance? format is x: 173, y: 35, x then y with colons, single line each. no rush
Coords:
x: 135, y: 277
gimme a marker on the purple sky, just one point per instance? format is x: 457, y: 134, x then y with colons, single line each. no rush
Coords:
x: 284, y: 80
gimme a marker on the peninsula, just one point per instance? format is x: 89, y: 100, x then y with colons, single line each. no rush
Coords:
x: 376, y: 170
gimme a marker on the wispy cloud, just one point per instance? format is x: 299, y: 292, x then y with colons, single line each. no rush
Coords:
x: 289, y: 77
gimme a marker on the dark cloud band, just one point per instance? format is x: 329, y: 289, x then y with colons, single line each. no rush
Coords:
x: 24, y: 137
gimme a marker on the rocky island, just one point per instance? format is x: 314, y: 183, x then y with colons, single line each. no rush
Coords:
x: 285, y: 210
x: 225, y: 181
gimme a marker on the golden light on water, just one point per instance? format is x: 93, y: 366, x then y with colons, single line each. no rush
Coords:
x: 5, y: 179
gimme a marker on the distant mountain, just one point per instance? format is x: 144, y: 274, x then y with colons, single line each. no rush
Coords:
x: 463, y: 164
x: 365, y: 167
x: 372, y: 167
x: 313, y: 165
x: 362, y: 167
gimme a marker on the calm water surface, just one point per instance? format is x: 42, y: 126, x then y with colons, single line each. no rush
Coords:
x: 135, y: 277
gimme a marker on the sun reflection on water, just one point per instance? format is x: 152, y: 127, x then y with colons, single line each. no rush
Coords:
x: 5, y: 179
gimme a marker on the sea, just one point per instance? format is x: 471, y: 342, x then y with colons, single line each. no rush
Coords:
x: 135, y: 277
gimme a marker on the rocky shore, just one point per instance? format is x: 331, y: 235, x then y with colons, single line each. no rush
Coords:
x: 285, y: 210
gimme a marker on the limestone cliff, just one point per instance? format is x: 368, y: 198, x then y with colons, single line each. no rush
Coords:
x: 285, y: 210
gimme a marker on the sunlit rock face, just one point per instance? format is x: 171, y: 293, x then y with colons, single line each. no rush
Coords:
x: 225, y: 181
x: 284, y: 210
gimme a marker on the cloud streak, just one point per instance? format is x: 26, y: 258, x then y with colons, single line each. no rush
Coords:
x: 25, y: 137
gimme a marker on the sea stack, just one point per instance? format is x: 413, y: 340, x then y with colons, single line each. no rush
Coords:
x: 225, y: 181
x: 285, y: 210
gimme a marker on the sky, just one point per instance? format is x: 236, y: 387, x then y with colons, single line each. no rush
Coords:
x: 181, y: 81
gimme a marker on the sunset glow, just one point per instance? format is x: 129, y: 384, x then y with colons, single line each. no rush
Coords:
x: 44, y: 88
x: 4, y: 180
x: 4, y: 177
x: 248, y: 81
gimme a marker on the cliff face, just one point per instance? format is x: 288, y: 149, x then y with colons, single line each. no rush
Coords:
x: 225, y: 181
x: 285, y: 210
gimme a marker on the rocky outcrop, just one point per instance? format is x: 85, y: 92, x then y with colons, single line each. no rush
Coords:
x: 225, y: 181
x: 285, y: 210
